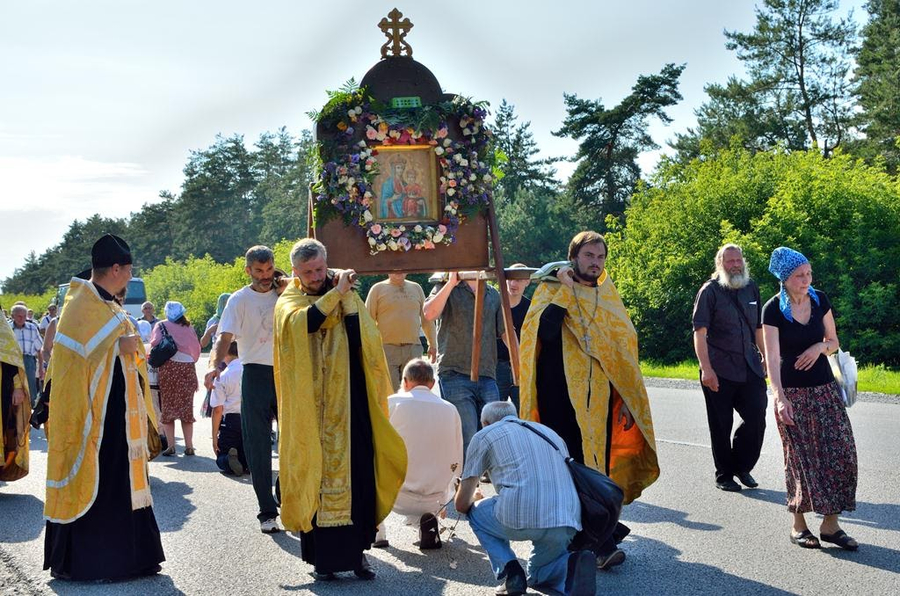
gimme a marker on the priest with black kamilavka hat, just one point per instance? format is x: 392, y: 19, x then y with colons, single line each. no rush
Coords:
x: 100, y: 522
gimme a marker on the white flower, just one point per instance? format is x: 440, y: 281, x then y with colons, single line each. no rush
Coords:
x: 381, y: 246
x: 417, y: 229
x: 367, y: 216
x: 362, y: 143
x: 392, y: 244
x: 466, y: 132
x: 372, y: 241
x: 437, y: 237
x: 439, y: 150
x: 351, y: 181
x: 351, y: 113
x: 402, y: 228
x: 358, y: 110
x: 473, y: 177
x: 342, y: 180
x: 487, y: 178
x: 447, y: 142
x: 451, y: 192
x: 464, y: 162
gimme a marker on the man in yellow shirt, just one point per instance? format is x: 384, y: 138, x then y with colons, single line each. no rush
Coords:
x: 397, y: 307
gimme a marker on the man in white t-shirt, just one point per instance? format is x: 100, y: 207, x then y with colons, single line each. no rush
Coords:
x: 225, y: 401
x: 432, y: 432
x: 247, y: 319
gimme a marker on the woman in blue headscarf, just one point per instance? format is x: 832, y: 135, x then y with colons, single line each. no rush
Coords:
x: 819, y: 450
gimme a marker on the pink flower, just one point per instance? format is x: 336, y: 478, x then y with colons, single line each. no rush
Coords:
x: 375, y: 229
x: 429, y: 245
x: 441, y: 133
x: 442, y: 229
x: 396, y: 232
x: 371, y: 133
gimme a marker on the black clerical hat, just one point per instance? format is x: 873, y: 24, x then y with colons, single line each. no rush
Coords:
x: 86, y: 274
x: 108, y: 251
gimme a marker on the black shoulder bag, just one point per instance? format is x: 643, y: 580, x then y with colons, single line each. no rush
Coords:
x: 163, y: 351
x: 600, y: 497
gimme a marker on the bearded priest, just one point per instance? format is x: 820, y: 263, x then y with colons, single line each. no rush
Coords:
x: 580, y: 375
x: 341, y: 462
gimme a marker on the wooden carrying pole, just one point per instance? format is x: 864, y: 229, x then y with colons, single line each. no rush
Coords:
x: 511, y: 336
x: 477, y: 328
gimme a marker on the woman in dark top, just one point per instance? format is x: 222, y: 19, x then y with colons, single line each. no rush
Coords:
x: 819, y: 451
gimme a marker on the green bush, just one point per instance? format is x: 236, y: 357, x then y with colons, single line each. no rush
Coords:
x: 841, y: 213
x: 37, y: 303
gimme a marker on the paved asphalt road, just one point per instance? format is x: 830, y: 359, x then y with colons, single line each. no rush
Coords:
x: 687, y: 537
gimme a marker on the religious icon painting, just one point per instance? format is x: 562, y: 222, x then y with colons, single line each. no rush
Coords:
x: 406, y: 186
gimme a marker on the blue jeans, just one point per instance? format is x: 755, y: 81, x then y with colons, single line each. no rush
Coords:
x: 505, y: 383
x: 546, y: 567
x: 469, y: 398
x: 30, y: 363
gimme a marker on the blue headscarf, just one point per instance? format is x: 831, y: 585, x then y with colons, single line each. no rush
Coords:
x: 783, y: 262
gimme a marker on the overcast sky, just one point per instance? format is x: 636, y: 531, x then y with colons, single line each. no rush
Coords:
x: 101, y: 102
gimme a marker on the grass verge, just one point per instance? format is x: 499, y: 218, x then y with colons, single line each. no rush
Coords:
x: 873, y: 378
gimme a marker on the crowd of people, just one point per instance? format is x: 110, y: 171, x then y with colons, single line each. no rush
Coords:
x: 381, y: 409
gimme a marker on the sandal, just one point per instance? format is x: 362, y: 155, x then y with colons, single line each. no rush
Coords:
x: 805, y: 539
x: 841, y: 539
x: 189, y: 451
x: 169, y: 451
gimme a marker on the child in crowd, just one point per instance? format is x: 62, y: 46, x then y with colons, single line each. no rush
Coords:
x: 226, y: 416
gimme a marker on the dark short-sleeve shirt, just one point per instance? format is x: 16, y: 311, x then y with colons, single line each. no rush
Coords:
x: 731, y: 341
x: 518, y: 316
x: 794, y: 338
x: 454, y: 330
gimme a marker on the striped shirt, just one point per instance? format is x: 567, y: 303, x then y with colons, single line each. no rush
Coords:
x: 29, y: 338
x: 533, y: 483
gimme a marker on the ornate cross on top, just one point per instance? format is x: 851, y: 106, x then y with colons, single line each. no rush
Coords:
x: 396, y: 31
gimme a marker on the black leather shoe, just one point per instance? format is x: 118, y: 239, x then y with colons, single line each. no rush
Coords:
x: 429, y: 533
x: 747, y: 480
x: 515, y: 583
x: 364, y: 571
x: 728, y: 485
x: 324, y: 577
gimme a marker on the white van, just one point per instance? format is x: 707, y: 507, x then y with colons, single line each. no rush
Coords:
x: 135, y: 296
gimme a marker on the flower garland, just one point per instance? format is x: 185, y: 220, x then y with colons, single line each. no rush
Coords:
x: 349, y: 169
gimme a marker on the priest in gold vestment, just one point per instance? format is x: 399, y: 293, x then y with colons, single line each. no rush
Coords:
x: 14, y: 407
x: 341, y: 462
x: 580, y: 376
x: 99, y: 512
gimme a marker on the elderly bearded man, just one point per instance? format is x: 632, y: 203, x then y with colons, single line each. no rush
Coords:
x: 342, y: 463
x: 727, y: 332
x: 581, y: 377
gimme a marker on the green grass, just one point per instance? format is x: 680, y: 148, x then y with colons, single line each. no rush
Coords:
x: 877, y: 379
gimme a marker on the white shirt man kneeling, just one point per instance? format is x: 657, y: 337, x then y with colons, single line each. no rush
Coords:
x: 432, y: 432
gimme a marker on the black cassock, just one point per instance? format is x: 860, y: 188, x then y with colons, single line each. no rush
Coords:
x: 110, y: 541
x: 340, y: 548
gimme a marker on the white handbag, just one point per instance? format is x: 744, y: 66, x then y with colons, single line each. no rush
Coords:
x: 843, y: 365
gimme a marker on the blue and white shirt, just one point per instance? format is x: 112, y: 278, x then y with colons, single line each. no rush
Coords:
x: 533, y: 483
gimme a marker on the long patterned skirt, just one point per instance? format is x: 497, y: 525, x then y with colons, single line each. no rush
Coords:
x: 819, y: 452
x: 177, y: 385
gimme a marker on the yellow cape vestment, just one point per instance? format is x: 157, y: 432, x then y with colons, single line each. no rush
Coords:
x: 605, y: 367
x: 81, y: 369
x: 14, y: 464
x: 312, y: 382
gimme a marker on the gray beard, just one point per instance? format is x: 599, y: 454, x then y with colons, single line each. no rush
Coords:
x: 733, y: 282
